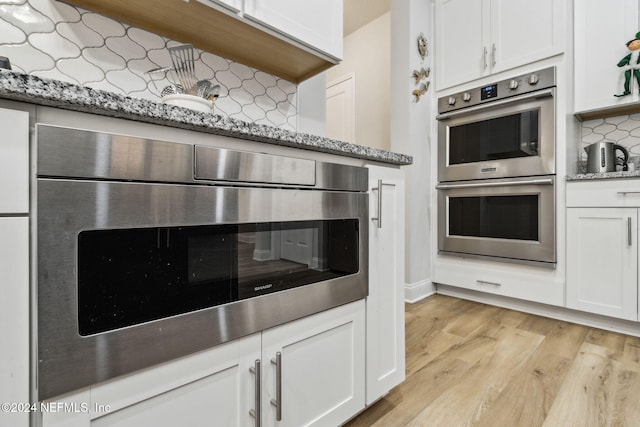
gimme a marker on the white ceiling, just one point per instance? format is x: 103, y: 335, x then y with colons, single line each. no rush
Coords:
x: 358, y: 13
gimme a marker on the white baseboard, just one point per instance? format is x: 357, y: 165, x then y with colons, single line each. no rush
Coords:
x: 414, y: 292
x: 560, y: 313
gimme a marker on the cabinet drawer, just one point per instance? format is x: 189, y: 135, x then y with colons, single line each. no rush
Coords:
x: 615, y: 193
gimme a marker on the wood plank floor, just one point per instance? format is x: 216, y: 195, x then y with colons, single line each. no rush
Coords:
x: 470, y: 364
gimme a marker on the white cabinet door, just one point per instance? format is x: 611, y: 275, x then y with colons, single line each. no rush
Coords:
x: 14, y: 316
x: 597, y: 78
x: 315, y: 23
x: 14, y: 161
x: 322, y: 368
x: 476, y: 38
x: 523, y: 31
x: 461, y: 37
x: 213, y: 387
x: 385, y: 303
x: 602, y: 261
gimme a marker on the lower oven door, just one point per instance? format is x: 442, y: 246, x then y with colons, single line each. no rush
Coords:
x: 506, y: 219
x: 133, y: 274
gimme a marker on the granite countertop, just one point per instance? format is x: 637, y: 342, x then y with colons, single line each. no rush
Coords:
x: 583, y: 175
x: 27, y: 88
x: 603, y: 175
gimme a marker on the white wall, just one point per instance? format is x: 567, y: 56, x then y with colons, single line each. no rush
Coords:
x: 411, y: 125
x: 367, y: 56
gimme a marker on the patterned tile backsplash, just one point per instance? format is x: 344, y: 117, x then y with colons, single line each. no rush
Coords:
x: 51, y: 39
x: 623, y: 130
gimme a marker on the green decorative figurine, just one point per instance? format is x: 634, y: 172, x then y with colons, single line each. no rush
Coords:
x: 631, y: 62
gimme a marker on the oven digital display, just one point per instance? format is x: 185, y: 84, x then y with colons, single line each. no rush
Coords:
x: 489, y: 92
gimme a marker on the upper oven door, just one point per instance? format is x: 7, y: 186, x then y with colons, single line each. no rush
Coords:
x: 506, y: 138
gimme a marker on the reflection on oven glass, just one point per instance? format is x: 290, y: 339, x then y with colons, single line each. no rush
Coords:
x: 500, y: 217
x: 506, y: 137
x: 130, y: 276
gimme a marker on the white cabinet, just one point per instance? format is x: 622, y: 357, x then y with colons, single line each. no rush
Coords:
x: 602, y: 247
x: 322, y: 369
x: 14, y: 263
x: 476, y: 38
x: 234, y: 6
x: 597, y: 78
x: 14, y: 161
x: 602, y: 261
x: 14, y: 316
x: 385, y: 303
x: 321, y: 378
x: 315, y: 23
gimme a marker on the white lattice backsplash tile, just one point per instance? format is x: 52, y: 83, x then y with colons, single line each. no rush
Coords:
x: 52, y: 39
x: 623, y: 130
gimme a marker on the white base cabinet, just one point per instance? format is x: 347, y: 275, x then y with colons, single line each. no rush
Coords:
x: 14, y: 265
x: 602, y: 261
x: 602, y: 247
x: 322, y: 381
x: 385, y: 303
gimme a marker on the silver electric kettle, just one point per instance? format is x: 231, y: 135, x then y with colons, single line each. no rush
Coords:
x: 601, y: 157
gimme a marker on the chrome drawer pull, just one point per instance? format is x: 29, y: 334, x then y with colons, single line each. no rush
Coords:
x: 257, y: 413
x: 277, y: 402
x: 378, y: 219
x: 484, y: 282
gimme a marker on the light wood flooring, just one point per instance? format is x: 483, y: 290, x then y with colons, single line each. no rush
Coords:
x: 470, y: 364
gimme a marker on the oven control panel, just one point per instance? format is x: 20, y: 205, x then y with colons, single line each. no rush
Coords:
x: 518, y: 85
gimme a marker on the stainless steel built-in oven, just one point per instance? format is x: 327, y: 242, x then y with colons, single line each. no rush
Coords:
x: 150, y: 250
x: 512, y: 219
x: 496, y: 170
x: 500, y: 130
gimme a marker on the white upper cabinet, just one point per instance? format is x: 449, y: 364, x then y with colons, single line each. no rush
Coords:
x: 231, y: 5
x: 602, y: 29
x: 460, y: 34
x: 315, y: 23
x: 478, y: 38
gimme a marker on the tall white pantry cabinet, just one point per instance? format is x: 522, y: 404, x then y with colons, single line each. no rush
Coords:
x: 14, y: 264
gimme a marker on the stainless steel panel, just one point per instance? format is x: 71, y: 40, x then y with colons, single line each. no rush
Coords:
x: 68, y: 361
x: 74, y: 153
x: 543, y: 164
x: 507, y: 88
x: 541, y: 251
x: 218, y: 164
x: 64, y: 152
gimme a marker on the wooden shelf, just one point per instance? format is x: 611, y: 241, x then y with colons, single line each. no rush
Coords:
x: 215, y: 32
x: 613, y: 111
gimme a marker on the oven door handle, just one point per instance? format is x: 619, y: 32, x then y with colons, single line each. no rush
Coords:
x: 542, y: 181
x: 540, y: 94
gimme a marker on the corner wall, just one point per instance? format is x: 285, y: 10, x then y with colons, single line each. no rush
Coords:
x: 411, y: 125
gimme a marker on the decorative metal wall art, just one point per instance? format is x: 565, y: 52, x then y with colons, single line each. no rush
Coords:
x: 422, y: 73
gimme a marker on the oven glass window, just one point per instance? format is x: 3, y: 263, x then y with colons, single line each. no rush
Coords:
x: 501, y: 217
x: 130, y: 276
x: 504, y: 137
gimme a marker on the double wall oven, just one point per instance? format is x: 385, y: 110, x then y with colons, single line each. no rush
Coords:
x: 496, y: 171
x: 150, y: 250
